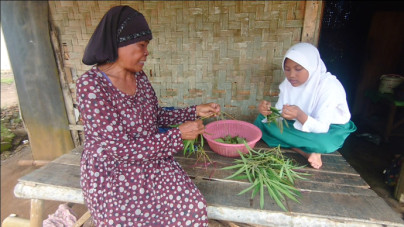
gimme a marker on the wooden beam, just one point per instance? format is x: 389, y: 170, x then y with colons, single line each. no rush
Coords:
x: 26, y: 32
x: 65, y: 86
x: 312, y: 22
x: 36, y: 216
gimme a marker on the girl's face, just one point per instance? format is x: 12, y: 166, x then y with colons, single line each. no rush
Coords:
x: 132, y: 57
x: 295, y: 73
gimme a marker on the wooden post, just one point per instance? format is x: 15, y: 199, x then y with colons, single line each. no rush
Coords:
x: 36, y: 217
x: 26, y: 32
x: 312, y: 22
x: 399, y: 190
x: 13, y: 221
x: 65, y: 86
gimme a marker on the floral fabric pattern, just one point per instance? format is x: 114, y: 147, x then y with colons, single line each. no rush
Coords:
x: 128, y: 174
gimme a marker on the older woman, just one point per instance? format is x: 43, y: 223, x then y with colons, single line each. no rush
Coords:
x: 128, y: 174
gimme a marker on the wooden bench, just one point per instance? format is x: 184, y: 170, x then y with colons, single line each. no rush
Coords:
x: 333, y: 196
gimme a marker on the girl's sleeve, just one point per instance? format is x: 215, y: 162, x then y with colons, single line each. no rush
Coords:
x: 105, y: 129
x: 331, y: 109
x: 312, y: 125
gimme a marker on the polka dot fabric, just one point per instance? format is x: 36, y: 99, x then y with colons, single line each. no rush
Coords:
x: 128, y: 174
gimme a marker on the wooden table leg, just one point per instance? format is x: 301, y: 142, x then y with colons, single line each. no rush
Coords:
x: 390, y: 121
x: 36, y: 217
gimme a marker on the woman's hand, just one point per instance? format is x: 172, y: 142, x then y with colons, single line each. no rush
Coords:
x: 265, y: 108
x: 208, y: 110
x: 291, y: 112
x: 191, y: 129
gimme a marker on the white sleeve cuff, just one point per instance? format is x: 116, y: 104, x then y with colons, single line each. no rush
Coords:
x: 312, y: 125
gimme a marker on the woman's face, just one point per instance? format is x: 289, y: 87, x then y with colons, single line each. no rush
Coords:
x: 132, y: 57
x: 295, y: 73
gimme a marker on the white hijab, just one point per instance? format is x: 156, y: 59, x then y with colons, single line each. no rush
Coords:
x: 322, y: 96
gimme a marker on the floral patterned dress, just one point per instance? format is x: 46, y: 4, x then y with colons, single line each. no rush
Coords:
x: 128, y: 174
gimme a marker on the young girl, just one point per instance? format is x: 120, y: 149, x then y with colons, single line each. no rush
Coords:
x: 314, y: 103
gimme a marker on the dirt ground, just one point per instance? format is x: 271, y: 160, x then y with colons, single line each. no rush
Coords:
x: 11, y: 170
x: 8, y: 92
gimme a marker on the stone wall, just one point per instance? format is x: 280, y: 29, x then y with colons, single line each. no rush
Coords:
x: 227, y: 52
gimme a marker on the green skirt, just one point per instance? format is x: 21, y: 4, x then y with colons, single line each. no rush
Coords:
x: 306, y: 141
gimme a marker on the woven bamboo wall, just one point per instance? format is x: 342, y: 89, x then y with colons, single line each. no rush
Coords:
x: 228, y: 52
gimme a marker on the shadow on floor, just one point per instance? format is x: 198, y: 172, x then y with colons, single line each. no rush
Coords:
x: 370, y: 155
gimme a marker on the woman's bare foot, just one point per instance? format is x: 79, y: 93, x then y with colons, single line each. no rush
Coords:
x: 313, y: 158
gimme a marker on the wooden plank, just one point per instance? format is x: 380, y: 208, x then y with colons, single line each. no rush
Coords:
x: 324, y: 178
x: 328, y: 197
x: 224, y: 194
x: 346, y: 207
x: 56, y: 174
x: 335, y: 170
x: 36, y: 215
x: 69, y: 159
x: 337, y: 179
x: 399, y: 189
x: 333, y: 162
x: 76, y: 127
x: 261, y: 218
x: 64, y: 84
x: 72, y: 158
x: 333, y: 188
x: 214, y: 171
x: 40, y: 96
x: 27, y: 190
x: 338, y: 207
x: 312, y: 22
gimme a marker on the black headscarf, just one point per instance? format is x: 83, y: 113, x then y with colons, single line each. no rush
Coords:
x: 120, y: 26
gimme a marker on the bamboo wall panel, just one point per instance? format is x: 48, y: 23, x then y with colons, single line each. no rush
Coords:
x: 228, y: 52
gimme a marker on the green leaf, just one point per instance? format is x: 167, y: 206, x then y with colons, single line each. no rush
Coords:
x: 220, y: 140
x: 275, y: 110
x: 249, y: 188
x: 240, y: 177
x: 236, y: 173
x: 256, y: 190
x: 261, y: 191
x: 233, y: 167
x: 276, y: 198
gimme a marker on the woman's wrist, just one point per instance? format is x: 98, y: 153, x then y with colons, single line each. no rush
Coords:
x: 197, y: 110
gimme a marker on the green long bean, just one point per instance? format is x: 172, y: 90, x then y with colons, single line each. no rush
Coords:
x: 268, y: 170
x: 276, y: 117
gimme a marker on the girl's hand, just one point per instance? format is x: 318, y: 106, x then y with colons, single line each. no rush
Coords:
x: 291, y: 112
x: 264, y: 108
x: 191, y: 129
x: 208, y: 110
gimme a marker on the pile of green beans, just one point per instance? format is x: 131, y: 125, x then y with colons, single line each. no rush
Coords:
x: 268, y: 170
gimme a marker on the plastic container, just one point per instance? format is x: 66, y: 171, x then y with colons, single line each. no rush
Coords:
x: 223, y: 128
x: 389, y: 81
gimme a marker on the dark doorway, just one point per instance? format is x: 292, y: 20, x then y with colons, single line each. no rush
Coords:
x: 344, y: 36
x: 360, y: 41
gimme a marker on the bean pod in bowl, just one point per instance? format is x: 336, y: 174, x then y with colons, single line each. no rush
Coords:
x: 233, y: 128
